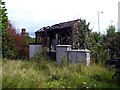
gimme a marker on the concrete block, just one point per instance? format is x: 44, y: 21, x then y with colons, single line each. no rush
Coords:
x: 34, y: 49
x: 61, y: 53
x: 79, y: 56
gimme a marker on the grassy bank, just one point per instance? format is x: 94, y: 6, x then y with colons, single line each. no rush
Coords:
x: 45, y: 74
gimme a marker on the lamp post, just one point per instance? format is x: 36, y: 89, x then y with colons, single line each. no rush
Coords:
x: 99, y: 21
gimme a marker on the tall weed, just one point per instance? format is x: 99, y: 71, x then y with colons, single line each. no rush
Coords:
x: 31, y: 74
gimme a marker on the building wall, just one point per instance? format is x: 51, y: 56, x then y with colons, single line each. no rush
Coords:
x: 119, y: 16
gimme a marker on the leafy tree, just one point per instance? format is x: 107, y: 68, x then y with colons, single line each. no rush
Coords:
x: 81, y: 34
x: 96, y: 42
x: 13, y: 45
x: 20, y: 49
x: 6, y: 42
x: 7, y: 46
x: 105, y: 47
x: 110, y: 31
x: 112, y: 43
x: 28, y: 39
x: 117, y: 40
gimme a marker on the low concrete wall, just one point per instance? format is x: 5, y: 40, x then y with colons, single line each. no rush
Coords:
x: 82, y: 56
x: 64, y: 52
x: 33, y: 49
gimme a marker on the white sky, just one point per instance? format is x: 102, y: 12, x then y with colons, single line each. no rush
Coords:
x: 35, y: 14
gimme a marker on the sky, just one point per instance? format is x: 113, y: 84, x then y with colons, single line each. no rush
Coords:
x: 35, y: 14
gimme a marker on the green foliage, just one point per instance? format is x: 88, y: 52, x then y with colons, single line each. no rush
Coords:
x: 96, y: 42
x: 12, y: 45
x: 28, y: 39
x: 81, y: 34
x: 3, y: 16
x: 111, y: 30
x: 104, y: 47
x: 112, y: 44
x: 5, y: 38
x: 6, y: 41
x: 31, y: 74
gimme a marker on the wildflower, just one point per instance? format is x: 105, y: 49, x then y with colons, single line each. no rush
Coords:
x: 93, y: 85
x: 84, y: 83
x: 87, y: 87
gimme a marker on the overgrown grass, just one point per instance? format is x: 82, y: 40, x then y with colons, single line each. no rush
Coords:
x: 0, y: 72
x: 45, y: 74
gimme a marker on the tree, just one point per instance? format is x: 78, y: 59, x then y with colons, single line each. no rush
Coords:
x: 81, y: 34
x: 19, y: 47
x: 110, y: 31
x: 111, y: 41
x: 28, y: 39
x: 96, y: 42
x: 13, y: 45
x: 6, y: 42
x: 104, y: 47
x: 117, y: 40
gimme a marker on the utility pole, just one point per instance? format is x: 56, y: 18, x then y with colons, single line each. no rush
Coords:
x: 99, y: 21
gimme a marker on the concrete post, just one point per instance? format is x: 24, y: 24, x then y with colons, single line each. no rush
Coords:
x: 61, y: 53
x: 33, y: 49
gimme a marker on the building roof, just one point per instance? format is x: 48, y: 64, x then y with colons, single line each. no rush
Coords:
x: 59, y: 26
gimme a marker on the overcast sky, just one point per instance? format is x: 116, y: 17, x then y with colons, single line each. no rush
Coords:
x: 35, y: 14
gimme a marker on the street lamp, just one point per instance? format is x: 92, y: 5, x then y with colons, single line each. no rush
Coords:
x: 99, y: 22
